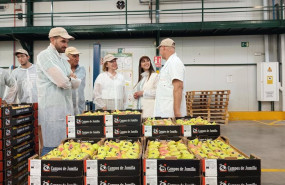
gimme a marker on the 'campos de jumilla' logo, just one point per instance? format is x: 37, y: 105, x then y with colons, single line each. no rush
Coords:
x: 162, y: 168
x: 103, y: 167
x: 46, y: 168
x: 223, y: 167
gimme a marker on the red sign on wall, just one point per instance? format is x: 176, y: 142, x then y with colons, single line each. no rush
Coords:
x: 157, y: 61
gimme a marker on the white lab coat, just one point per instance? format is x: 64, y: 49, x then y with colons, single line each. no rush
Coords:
x: 78, y: 97
x: 110, y: 91
x: 54, y: 95
x: 164, y: 101
x: 6, y: 80
x: 146, y: 102
x: 26, y: 85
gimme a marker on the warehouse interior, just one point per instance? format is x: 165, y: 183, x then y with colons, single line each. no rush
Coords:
x: 222, y: 44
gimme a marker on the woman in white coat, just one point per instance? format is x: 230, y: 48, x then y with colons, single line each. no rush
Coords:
x: 146, y: 87
x: 109, y: 87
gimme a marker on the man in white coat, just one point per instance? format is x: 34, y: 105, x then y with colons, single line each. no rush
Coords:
x: 55, y: 82
x: 25, y: 77
x: 170, y: 96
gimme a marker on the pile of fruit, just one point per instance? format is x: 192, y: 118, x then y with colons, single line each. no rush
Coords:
x: 163, y: 149
x: 121, y: 150
x: 72, y: 151
x: 213, y: 149
x: 20, y: 106
x: 153, y: 121
x: 97, y: 113
x: 127, y: 112
x: 194, y: 121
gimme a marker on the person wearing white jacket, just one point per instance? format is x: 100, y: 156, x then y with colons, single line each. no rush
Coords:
x: 110, y: 87
x: 55, y: 82
x: 146, y: 87
x: 6, y: 80
x: 25, y: 78
x: 170, y: 93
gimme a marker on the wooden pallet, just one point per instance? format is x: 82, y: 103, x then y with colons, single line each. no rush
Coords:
x: 211, y: 105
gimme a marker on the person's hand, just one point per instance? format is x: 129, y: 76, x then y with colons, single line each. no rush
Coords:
x: 138, y: 94
x: 4, y: 102
x: 73, y: 75
x: 135, y: 95
x: 177, y: 114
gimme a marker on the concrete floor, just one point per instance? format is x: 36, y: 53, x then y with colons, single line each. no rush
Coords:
x: 266, y: 139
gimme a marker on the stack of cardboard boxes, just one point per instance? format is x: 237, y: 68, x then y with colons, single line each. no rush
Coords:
x: 18, y: 141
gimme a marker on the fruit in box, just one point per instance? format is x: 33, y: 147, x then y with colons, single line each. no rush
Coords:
x: 127, y: 112
x: 72, y: 151
x: 121, y: 150
x: 97, y: 113
x: 153, y: 121
x: 194, y: 121
x: 163, y: 149
x: 213, y: 149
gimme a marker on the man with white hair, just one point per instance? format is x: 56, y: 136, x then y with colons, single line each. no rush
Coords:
x: 55, y: 83
x: 170, y: 96
x: 78, y: 97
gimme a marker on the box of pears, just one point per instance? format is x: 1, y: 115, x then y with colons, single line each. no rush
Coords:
x: 102, y: 131
x: 169, y: 156
x: 65, y: 160
x: 182, y: 126
x: 17, y: 109
x: 197, y: 126
x: 220, y: 158
x: 105, y: 118
x: 94, y: 156
x: 157, y: 126
x: 116, y: 157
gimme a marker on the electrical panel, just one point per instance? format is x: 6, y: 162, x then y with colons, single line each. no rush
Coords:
x: 267, y: 81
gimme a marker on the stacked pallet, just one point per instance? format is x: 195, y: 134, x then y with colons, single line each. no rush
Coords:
x: 211, y: 105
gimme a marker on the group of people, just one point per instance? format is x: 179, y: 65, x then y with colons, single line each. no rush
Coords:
x: 57, y: 83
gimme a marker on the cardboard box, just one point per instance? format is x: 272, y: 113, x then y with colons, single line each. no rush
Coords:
x: 85, y: 132
x: 15, y: 121
x: 14, y: 131
x: 157, y: 130
x: 234, y: 167
x: 12, y: 110
x: 119, y: 131
x: 13, y: 161
x: 73, y: 121
x: 198, y: 130
x: 256, y: 180
x: 18, y: 179
x: 170, y: 166
x: 56, y: 168
x: 251, y: 166
x: 13, y: 141
x: 123, y: 120
x: 15, y: 150
x: 135, y: 180
x: 114, y: 166
x: 39, y: 180
x: 156, y: 180
x: 14, y: 171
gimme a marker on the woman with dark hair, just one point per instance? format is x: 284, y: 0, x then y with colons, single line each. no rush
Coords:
x: 146, y: 87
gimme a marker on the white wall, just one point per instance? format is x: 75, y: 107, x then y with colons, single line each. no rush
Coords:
x: 70, y: 18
